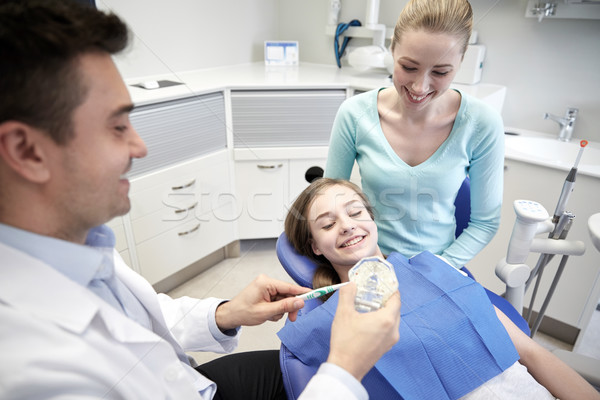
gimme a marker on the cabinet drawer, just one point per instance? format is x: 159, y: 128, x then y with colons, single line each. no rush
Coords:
x: 151, y: 225
x: 181, y: 246
x: 262, y: 194
x: 205, y: 181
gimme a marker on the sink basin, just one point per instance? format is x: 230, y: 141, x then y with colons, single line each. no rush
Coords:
x: 549, y: 151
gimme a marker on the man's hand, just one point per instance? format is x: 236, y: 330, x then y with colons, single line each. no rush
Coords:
x: 264, y: 299
x: 358, y: 340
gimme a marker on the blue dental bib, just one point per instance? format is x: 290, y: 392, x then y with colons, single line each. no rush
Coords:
x: 451, y: 340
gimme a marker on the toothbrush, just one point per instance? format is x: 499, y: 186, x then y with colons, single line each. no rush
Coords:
x: 313, y: 294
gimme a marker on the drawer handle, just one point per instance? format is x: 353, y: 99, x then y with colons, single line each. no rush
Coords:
x: 194, y: 229
x: 181, y: 210
x: 187, y: 185
x: 269, y: 166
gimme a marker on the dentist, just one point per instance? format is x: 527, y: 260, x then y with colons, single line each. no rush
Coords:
x: 76, y: 322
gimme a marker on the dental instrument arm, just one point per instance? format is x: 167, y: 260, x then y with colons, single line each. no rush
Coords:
x: 562, y: 221
x: 531, y: 216
x: 512, y: 270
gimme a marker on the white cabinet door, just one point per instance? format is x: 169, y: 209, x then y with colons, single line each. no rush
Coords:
x: 262, y: 195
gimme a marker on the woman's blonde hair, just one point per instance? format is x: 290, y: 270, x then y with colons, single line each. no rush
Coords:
x: 452, y: 17
x: 297, y: 228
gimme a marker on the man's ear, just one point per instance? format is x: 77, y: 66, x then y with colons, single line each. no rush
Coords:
x: 315, y: 249
x: 22, y: 150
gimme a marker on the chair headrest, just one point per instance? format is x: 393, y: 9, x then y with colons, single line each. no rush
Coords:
x: 299, y: 267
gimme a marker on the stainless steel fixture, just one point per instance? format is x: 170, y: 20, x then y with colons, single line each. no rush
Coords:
x: 544, y: 9
x: 566, y: 123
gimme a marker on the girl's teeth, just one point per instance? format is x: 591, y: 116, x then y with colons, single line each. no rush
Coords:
x: 353, y: 241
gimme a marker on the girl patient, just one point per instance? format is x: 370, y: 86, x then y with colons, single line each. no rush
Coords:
x: 453, y: 342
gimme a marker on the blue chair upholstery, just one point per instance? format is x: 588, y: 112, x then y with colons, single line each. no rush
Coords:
x: 301, y: 269
x: 462, y: 207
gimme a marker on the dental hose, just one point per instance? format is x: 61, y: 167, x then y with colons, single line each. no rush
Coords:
x: 562, y: 222
x: 337, y: 49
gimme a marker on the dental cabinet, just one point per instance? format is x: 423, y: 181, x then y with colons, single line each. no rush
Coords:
x: 180, y: 209
x: 277, y: 136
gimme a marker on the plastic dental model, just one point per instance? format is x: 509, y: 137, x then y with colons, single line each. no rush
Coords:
x: 375, y: 282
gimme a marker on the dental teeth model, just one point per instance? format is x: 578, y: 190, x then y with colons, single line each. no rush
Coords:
x: 375, y: 281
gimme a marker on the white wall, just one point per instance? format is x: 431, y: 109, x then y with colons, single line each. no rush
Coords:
x: 181, y: 35
x: 546, y: 66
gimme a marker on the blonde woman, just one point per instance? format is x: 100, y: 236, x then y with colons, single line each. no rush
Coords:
x: 416, y: 141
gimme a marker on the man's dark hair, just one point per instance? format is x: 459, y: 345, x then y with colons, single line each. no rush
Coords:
x: 40, y: 44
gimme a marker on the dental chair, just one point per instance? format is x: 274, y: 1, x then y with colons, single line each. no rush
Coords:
x: 301, y: 269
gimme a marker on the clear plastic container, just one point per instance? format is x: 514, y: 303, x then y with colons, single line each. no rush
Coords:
x: 375, y: 281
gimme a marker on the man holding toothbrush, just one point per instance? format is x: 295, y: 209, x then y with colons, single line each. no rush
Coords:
x: 76, y: 321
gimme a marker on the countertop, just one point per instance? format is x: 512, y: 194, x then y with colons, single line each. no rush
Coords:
x: 257, y: 76
x: 547, y: 151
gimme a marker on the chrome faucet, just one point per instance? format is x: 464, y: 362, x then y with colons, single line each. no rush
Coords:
x: 544, y: 10
x: 566, y: 123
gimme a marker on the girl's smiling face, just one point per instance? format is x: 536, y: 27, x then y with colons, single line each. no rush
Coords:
x: 342, y: 229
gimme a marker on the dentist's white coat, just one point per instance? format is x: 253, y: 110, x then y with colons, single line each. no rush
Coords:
x: 58, y: 340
